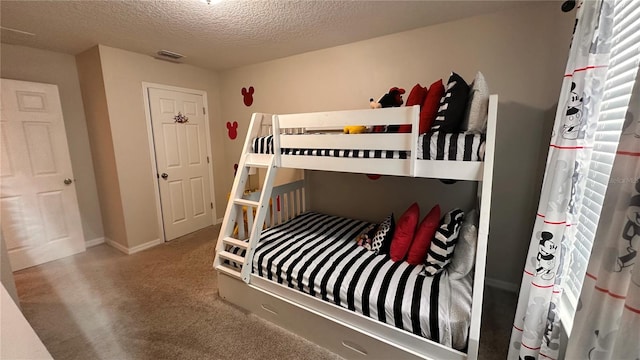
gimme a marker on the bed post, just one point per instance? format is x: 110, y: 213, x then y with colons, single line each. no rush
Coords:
x: 484, y: 190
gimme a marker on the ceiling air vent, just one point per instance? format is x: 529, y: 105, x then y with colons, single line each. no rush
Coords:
x: 169, y: 56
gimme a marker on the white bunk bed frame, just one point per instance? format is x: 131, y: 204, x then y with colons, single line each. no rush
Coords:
x: 340, y: 330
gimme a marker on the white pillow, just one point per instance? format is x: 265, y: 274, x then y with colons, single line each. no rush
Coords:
x: 475, y: 118
x: 464, y: 256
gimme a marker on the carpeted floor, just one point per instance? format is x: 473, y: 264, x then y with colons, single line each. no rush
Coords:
x: 162, y: 303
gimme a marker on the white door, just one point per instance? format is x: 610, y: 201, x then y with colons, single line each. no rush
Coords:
x: 38, y: 204
x: 182, y: 161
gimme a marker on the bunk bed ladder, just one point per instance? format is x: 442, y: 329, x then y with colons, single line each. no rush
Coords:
x: 235, y: 209
x: 234, y: 217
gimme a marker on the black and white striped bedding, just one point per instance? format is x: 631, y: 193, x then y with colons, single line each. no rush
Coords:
x: 431, y: 146
x: 264, y: 145
x: 451, y: 146
x: 316, y: 253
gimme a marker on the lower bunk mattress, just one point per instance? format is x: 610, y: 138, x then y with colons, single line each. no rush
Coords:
x: 318, y: 255
x: 431, y: 146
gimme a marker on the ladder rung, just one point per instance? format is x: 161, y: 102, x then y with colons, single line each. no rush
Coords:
x: 229, y: 271
x: 231, y: 256
x: 236, y: 242
x: 245, y: 202
x: 259, y: 160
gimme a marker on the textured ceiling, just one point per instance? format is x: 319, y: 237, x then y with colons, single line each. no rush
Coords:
x: 223, y: 35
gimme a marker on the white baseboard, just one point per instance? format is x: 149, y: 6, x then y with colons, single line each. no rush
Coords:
x: 94, y: 242
x: 218, y: 221
x: 116, y: 245
x: 145, y: 246
x: 502, y: 285
x: 135, y: 249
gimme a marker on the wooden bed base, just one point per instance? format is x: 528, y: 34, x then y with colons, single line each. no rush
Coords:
x: 341, y: 331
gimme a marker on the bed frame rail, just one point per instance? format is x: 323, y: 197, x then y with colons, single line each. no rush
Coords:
x: 286, y: 202
x: 323, y: 130
x: 248, y: 214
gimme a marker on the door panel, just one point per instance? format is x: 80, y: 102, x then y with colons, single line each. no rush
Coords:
x: 197, y: 196
x: 40, y: 215
x: 39, y: 148
x: 171, y: 145
x: 181, y: 154
x: 194, y: 146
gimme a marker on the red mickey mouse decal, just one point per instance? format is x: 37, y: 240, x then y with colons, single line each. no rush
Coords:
x: 373, y: 177
x: 233, y: 129
x: 248, y: 95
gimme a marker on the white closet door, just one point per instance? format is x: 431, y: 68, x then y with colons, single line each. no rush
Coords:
x: 181, y: 156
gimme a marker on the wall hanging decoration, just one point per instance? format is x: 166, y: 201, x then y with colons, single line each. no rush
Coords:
x: 235, y: 169
x: 373, y: 177
x: 233, y: 129
x: 247, y: 96
x: 181, y: 119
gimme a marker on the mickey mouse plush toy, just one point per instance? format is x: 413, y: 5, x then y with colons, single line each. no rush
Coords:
x: 391, y: 99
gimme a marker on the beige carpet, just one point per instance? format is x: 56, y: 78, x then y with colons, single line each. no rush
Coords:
x: 162, y: 303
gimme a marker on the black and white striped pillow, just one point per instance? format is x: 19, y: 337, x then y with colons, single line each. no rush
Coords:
x: 452, y: 105
x: 444, y: 242
x: 382, y: 239
x: 263, y: 145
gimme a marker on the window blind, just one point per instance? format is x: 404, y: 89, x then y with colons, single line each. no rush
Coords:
x: 618, y: 86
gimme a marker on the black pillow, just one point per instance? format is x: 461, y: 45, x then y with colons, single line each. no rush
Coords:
x: 452, y: 105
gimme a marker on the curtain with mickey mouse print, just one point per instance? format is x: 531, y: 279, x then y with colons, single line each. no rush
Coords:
x: 536, y: 329
x: 607, y: 321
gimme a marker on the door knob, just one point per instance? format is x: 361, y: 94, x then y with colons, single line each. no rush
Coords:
x: 68, y: 181
x: 164, y: 176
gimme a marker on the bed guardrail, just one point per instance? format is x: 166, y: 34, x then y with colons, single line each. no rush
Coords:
x: 286, y: 202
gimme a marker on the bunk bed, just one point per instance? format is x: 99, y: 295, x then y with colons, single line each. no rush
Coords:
x: 353, y: 315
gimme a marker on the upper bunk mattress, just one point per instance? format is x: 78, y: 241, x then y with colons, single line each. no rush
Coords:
x: 316, y: 253
x: 431, y: 146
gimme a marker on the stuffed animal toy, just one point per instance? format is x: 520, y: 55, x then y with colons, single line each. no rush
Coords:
x: 391, y: 99
x: 354, y: 129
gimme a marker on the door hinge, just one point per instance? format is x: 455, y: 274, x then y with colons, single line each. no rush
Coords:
x: 204, y: 110
x: 207, y: 159
x: 212, y: 205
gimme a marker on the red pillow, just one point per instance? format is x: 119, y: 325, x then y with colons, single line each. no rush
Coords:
x: 430, y: 106
x: 425, y: 232
x: 417, y: 95
x: 404, y: 232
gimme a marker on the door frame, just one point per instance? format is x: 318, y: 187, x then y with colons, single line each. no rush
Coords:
x: 152, y: 149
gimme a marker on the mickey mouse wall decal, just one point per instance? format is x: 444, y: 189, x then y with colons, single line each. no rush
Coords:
x: 233, y: 129
x: 235, y: 169
x: 247, y: 96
